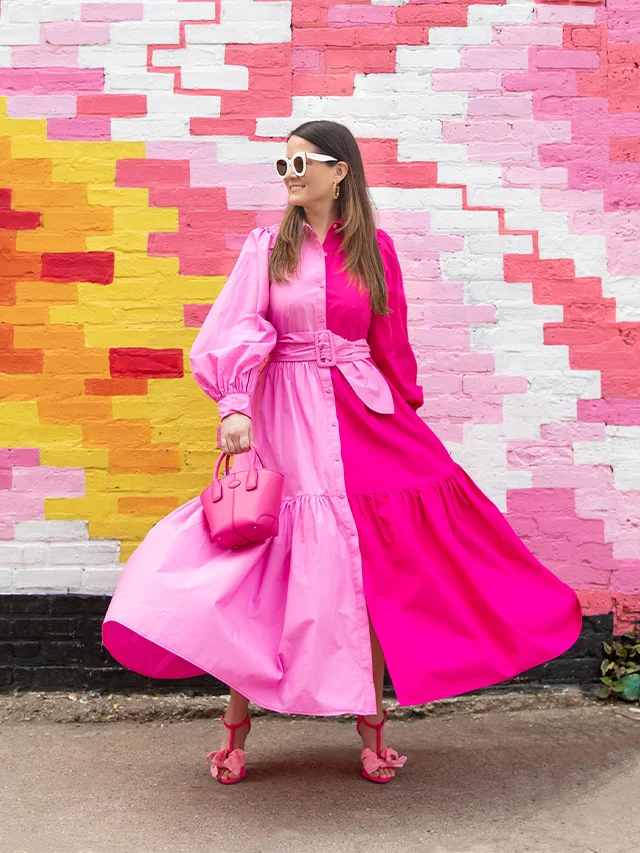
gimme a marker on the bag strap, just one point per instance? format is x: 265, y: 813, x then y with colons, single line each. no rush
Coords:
x: 252, y: 474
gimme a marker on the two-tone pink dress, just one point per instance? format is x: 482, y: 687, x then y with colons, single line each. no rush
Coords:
x: 376, y: 517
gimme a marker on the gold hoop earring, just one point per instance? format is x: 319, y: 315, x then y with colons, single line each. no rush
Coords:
x: 336, y: 189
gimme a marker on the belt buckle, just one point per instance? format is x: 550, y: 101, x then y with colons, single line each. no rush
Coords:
x: 318, y: 342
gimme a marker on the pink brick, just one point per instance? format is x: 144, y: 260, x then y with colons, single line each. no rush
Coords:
x: 480, y: 385
x: 494, y: 57
x: 112, y: 11
x: 85, y: 129
x: 20, y: 456
x: 362, y: 16
x: 500, y: 106
x: 464, y: 81
x: 307, y: 60
x: 582, y: 59
x: 529, y: 35
x: 50, y: 482
x: 504, y: 151
x: 44, y: 56
x: 440, y: 383
x: 533, y: 176
x: 75, y: 32
x: 559, y: 82
x: 41, y: 106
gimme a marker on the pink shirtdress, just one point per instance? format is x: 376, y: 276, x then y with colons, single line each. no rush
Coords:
x: 376, y: 517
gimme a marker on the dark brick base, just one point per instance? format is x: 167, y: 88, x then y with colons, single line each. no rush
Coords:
x: 54, y: 642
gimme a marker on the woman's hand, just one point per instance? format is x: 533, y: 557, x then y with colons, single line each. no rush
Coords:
x: 236, y: 434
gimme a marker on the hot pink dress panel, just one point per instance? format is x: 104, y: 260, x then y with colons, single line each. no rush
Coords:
x: 376, y: 517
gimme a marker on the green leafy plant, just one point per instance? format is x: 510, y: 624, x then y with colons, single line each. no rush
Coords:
x: 621, y: 668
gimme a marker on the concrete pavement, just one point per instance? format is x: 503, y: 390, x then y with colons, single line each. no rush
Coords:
x: 541, y: 779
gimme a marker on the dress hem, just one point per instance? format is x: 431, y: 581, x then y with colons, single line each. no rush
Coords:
x: 224, y: 681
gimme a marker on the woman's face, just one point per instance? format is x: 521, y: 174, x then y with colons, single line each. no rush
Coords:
x: 317, y: 181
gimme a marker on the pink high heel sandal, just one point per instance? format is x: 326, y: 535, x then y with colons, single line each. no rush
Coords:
x: 373, y: 761
x: 232, y: 759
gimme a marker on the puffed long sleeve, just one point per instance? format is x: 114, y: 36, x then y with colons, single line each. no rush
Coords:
x: 235, y: 336
x: 388, y: 336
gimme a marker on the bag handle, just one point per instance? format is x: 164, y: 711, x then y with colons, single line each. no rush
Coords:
x: 252, y: 474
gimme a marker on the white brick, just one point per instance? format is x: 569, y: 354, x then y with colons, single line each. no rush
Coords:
x: 221, y: 77
x: 445, y: 104
x: 397, y: 198
x: 13, y: 553
x: 191, y: 57
x: 142, y: 32
x: 51, y: 531
x: 491, y: 244
x: 20, y: 11
x: 498, y: 292
x: 463, y: 266
x: 436, y: 152
x: 44, y: 580
x: 5, y: 57
x: 89, y: 553
x: 123, y: 59
x: 426, y: 58
x: 464, y: 221
x: 503, y: 197
x: 408, y: 82
x: 100, y: 581
x: 7, y: 580
x: 461, y: 35
x: 163, y: 11
x: 234, y: 32
x: 14, y: 34
x: 159, y: 103
x: 511, y: 14
x: 126, y: 81
x: 477, y: 174
x: 150, y: 129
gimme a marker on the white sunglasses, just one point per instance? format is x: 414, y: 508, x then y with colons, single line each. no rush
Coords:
x: 299, y: 162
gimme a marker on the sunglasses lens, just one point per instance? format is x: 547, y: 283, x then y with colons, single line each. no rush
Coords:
x: 281, y: 166
x: 298, y: 164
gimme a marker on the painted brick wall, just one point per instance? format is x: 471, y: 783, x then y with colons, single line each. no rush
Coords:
x: 502, y: 146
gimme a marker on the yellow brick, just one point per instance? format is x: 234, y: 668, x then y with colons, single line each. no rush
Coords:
x: 151, y: 219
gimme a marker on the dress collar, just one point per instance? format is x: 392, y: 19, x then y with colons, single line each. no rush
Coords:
x: 332, y: 227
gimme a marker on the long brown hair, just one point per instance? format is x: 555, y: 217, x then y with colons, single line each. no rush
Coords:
x: 363, y: 262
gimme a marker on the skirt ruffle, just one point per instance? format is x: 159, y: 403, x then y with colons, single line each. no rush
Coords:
x: 456, y: 599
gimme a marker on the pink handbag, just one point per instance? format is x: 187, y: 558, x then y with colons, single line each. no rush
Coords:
x: 242, y: 508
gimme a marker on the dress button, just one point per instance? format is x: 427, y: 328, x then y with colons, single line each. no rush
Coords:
x: 322, y: 284
x: 341, y: 495
x: 327, y: 390
x: 334, y: 423
x: 337, y: 457
x: 352, y: 532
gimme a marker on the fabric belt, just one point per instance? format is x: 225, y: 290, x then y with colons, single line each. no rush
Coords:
x: 350, y: 357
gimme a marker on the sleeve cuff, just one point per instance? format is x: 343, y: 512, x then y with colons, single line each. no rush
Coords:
x: 234, y: 403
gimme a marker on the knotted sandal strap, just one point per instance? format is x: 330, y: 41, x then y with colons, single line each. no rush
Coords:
x: 233, y: 761
x: 387, y: 758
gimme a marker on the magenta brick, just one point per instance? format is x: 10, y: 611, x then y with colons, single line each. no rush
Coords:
x: 22, y: 456
x: 580, y: 59
x: 558, y: 82
x: 44, y: 81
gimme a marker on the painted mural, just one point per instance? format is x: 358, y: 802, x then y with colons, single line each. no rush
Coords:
x: 502, y: 147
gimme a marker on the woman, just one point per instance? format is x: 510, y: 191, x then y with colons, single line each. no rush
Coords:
x: 387, y: 550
